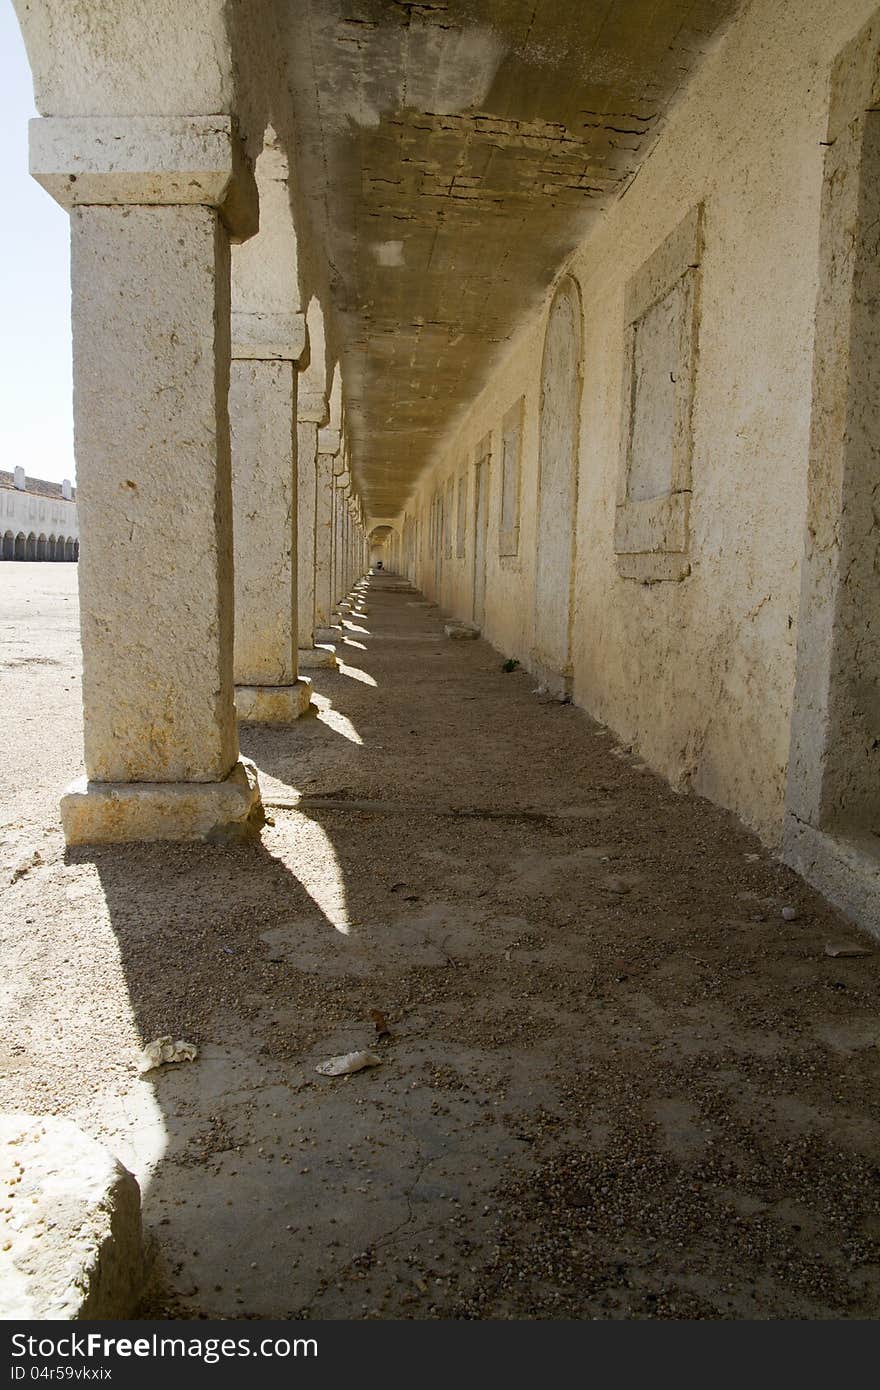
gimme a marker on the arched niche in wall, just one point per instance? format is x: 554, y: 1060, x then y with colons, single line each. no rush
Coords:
x: 561, y: 374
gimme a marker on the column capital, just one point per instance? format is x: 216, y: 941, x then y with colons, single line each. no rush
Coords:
x: 152, y: 160
x: 343, y: 481
x: 268, y: 337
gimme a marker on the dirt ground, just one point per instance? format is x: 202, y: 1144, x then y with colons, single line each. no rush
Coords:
x: 619, y: 1083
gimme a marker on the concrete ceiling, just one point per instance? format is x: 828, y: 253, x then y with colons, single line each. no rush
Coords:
x: 451, y: 153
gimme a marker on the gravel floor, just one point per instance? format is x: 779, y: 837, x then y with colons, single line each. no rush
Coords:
x: 618, y: 1081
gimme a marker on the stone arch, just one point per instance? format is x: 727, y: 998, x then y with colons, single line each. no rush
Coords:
x: 76, y: 551
x: 68, y: 548
x: 59, y: 548
x: 556, y: 539
x: 31, y: 547
x: 9, y: 546
x: 41, y: 546
x: 381, y: 539
x: 21, y: 546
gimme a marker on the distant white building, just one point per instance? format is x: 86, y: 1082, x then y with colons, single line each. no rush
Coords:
x: 37, y: 519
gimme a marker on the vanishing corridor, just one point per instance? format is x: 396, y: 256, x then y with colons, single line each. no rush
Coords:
x: 618, y: 1083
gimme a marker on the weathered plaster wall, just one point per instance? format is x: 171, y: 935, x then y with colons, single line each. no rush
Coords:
x: 699, y: 674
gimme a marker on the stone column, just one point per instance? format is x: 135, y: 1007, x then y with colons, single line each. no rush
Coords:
x: 343, y: 548
x: 307, y: 486
x: 346, y: 521
x: 328, y: 449
x: 312, y: 654
x: 339, y: 588
x: 337, y: 545
x: 353, y: 547
x: 342, y: 483
x: 152, y: 203
x: 262, y: 407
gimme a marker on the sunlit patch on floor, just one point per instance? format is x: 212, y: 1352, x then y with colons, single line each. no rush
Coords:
x: 315, y: 863
x: 336, y: 721
x: 356, y: 674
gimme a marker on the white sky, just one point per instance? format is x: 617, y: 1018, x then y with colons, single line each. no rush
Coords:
x: 36, y: 421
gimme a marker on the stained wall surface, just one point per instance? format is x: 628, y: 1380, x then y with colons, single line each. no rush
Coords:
x: 699, y: 673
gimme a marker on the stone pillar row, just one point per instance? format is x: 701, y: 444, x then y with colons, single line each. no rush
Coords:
x: 154, y: 203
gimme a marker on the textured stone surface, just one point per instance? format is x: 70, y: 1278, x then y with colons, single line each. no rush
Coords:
x: 844, y: 866
x: 262, y: 409
x: 833, y: 793
x: 278, y: 337
x: 835, y: 773
x: 339, y: 587
x: 557, y: 484
x: 317, y: 657
x: 146, y: 160
x: 150, y: 352
x: 273, y: 704
x: 324, y: 597
x: 72, y: 1240
x: 307, y: 484
x: 154, y: 57
x: 94, y: 813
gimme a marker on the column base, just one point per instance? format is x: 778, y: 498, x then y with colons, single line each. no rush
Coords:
x: 331, y: 633
x: 273, y: 704
x: 101, y: 813
x: 316, y: 658
x: 845, y: 867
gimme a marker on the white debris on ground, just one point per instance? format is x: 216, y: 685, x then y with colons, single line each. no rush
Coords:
x: 348, y: 1063
x: 163, y: 1050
